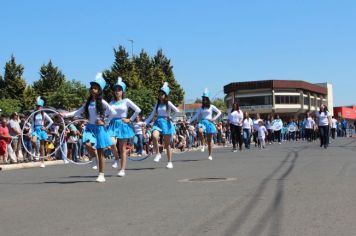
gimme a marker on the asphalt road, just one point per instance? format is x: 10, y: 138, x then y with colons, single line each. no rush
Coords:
x: 295, y: 188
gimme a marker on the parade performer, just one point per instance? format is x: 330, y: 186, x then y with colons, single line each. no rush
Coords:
x: 39, y: 130
x: 95, y: 135
x: 120, y: 128
x: 163, y: 124
x: 206, y: 121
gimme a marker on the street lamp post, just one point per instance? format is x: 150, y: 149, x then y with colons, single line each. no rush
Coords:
x: 132, y: 43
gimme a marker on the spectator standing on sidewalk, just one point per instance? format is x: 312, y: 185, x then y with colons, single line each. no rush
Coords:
x: 15, y: 131
x: 5, y: 139
x: 139, y: 128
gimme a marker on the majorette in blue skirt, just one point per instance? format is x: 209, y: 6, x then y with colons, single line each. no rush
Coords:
x: 117, y: 127
x: 207, y: 126
x: 39, y: 119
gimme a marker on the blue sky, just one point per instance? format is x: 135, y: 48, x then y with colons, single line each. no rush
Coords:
x: 210, y: 43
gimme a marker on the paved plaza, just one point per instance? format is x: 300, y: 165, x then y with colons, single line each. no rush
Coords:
x: 296, y: 188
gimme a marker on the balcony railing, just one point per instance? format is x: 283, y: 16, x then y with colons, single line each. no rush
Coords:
x: 256, y: 107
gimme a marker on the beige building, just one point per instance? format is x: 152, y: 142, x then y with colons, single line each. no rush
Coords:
x: 284, y: 97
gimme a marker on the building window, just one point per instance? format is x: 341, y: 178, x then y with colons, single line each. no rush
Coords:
x: 312, y: 102
x: 287, y: 99
x: 255, y: 101
x: 306, y: 101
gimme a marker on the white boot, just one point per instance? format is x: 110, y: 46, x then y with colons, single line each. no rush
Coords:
x: 94, y: 164
x: 101, y: 178
x: 157, y: 157
x: 115, y: 164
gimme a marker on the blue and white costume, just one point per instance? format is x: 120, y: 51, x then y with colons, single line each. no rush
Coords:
x: 163, y: 122
x: 96, y: 134
x: 117, y: 128
x: 39, y: 122
x: 206, y: 118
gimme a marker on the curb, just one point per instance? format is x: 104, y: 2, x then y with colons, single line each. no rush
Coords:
x: 60, y: 162
x: 30, y: 165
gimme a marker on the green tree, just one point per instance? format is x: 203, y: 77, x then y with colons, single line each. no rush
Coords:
x: 144, y: 65
x: 220, y: 104
x: 157, y: 82
x: 144, y: 76
x: 51, y: 78
x: 198, y: 100
x: 144, y: 98
x: 13, y: 85
x: 164, y: 64
x: 8, y: 106
x: 124, y: 68
x: 2, y: 87
x: 69, y: 95
x: 30, y: 96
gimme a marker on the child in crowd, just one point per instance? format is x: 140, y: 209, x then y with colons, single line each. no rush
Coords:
x: 262, y: 132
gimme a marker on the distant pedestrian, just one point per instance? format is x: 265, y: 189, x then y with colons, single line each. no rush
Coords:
x: 324, y: 123
x: 262, y: 132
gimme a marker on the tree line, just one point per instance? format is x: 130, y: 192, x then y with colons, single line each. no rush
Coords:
x: 143, y: 75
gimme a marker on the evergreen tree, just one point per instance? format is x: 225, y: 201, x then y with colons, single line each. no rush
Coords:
x: 8, y: 106
x: 51, y: 78
x: 13, y: 85
x: 144, y: 98
x: 144, y: 76
x: 69, y: 95
x: 164, y: 64
x: 30, y: 96
x: 144, y: 65
x: 198, y: 100
x: 220, y: 104
x: 124, y: 68
x: 2, y: 87
x: 158, y: 80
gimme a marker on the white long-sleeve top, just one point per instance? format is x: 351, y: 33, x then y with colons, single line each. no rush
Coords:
x: 206, y: 114
x: 162, y: 111
x: 309, y: 123
x: 235, y: 117
x: 40, y: 121
x: 121, y: 107
x: 93, y: 115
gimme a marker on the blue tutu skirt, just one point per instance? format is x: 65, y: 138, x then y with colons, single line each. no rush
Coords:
x: 164, y: 126
x: 120, y: 129
x: 39, y: 133
x: 97, y: 136
x: 207, y: 126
